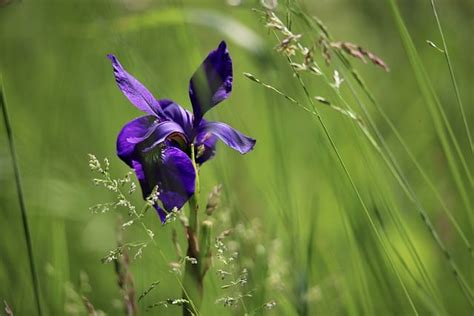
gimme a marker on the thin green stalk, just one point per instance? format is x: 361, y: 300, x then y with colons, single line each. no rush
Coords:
x: 192, y: 274
x: 401, y: 179
x: 358, y: 265
x: 391, y: 158
x: 436, y: 111
x: 432, y: 101
x: 412, y: 157
x: 194, y: 204
x: 21, y: 200
x: 354, y: 187
x: 393, y: 215
x: 441, y: 134
x: 285, y: 198
x: 453, y: 78
x: 398, y: 174
x: 345, y: 62
x: 440, y: 309
x: 396, y: 217
x: 395, y: 170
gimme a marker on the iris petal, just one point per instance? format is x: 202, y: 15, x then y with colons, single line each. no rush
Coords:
x: 149, y: 144
x: 147, y: 188
x: 178, y: 178
x: 206, y: 146
x: 136, y: 128
x: 166, y: 167
x: 178, y: 114
x: 172, y: 171
x: 229, y: 136
x: 212, y: 82
x: 159, y: 133
x: 205, y: 142
x: 134, y: 90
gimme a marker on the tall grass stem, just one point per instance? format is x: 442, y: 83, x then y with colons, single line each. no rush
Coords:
x: 453, y: 77
x: 21, y: 199
x: 353, y: 185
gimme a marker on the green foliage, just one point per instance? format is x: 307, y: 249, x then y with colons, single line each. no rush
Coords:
x: 357, y: 199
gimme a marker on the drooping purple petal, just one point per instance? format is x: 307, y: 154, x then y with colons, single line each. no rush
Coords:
x: 134, y: 90
x: 231, y: 137
x: 139, y: 168
x: 178, y: 178
x: 136, y: 128
x: 162, y: 213
x: 172, y: 171
x: 212, y: 82
x: 146, y: 187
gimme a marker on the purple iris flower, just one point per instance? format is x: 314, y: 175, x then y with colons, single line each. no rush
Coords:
x: 158, y: 145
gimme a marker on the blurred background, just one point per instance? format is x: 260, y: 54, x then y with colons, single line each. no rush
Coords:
x: 302, y: 233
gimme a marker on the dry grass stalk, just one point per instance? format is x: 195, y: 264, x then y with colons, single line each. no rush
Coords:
x: 359, y: 52
x: 8, y: 309
x: 124, y: 276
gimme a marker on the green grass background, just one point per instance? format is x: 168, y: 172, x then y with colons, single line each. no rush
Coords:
x: 64, y: 103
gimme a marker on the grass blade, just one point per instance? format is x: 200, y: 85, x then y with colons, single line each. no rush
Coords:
x: 21, y: 200
x: 354, y: 186
x: 453, y: 78
x: 433, y: 102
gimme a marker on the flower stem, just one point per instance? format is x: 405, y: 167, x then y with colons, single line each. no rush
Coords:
x: 21, y: 200
x: 193, y: 202
x: 192, y: 274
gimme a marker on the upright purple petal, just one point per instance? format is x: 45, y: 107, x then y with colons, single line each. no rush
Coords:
x: 134, y: 90
x: 205, y: 142
x: 137, y: 128
x: 212, y: 82
x: 157, y: 135
x: 178, y: 114
x: 231, y: 137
